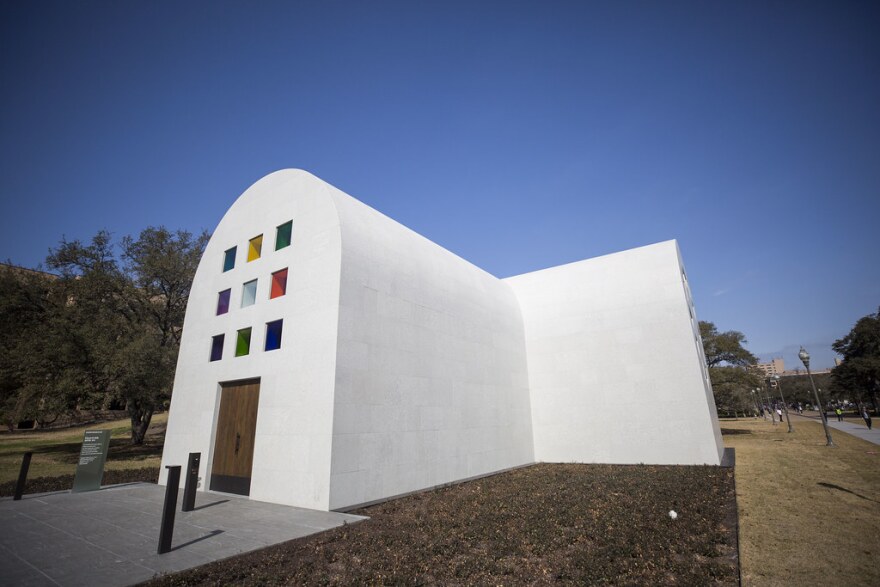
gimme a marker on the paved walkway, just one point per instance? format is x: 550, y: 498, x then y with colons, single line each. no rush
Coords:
x: 110, y: 537
x: 857, y: 430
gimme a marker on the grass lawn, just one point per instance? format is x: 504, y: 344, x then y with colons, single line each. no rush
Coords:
x: 56, y: 452
x: 809, y: 514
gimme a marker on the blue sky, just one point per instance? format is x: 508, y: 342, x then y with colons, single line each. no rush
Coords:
x: 519, y: 135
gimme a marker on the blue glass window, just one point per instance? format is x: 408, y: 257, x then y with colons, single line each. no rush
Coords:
x: 273, y: 335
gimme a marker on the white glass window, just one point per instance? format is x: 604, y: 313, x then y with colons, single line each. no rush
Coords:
x: 249, y: 293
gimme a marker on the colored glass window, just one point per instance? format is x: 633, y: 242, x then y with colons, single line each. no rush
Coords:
x: 255, y: 248
x: 229, y: 259
x: 223, y: 301
x: 217, y: 347
x: 243, y: 342
x: 249, y: 293
x: 273, y: 335
x: 282, y: 235
x: 279, y: 284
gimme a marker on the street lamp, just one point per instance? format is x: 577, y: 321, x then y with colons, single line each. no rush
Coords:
x: 770, y: 405
x: 761, y: 399
x: 755, y: 401
x: 805, y: 359
x: 784, y: 405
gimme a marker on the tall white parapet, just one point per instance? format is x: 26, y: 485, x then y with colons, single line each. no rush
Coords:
x: 332, y: 357
x: 616, y: 366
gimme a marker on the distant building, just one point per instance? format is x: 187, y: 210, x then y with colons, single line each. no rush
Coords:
x: 774, y: 367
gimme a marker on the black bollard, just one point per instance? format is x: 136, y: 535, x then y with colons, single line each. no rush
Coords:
x: 22, y: 475
x: 192, y: 480
x: 167, y: 529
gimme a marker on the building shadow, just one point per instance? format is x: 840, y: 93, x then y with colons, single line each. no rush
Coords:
x: 199, y: 539
x: 207, y: 505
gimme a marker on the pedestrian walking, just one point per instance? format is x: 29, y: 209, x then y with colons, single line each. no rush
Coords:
x: 839, y: 413
x: 867, y: 416
x: 779, y: 413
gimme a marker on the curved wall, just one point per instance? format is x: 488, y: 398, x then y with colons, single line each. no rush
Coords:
x: 291, y: 463
x: 431, y: 381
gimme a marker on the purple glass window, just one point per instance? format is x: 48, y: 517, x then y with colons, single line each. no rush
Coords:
x: 217, y: 347
x: 223, y: 301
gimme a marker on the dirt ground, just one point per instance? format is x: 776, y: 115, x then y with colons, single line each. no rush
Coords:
x: 543, y: 524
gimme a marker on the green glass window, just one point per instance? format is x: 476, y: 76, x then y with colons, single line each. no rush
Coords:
x: 243, y: 342
x: 282, y: 235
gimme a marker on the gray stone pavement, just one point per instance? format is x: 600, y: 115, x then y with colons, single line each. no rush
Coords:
x: 858, y: 430
x: 110, y: 537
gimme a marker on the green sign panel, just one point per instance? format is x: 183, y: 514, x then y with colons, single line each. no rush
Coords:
x: 90, y: 469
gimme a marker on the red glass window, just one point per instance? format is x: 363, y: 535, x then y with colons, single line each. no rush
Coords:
x: 279, y: 284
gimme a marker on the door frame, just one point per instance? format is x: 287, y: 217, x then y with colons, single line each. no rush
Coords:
x: 215, y: 421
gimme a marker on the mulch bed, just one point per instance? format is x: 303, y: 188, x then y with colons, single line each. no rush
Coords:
x: 547, y: 523
x: 65, y: 482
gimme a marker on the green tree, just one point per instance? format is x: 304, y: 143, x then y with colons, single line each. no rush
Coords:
x: 724, y: 347
x: 23, y: 309
x: 729, y: 368
x: 123, y: 316
x: 161, y: 265
x: 858, y: 374
x: 732, y: 387
x: 797, y: 388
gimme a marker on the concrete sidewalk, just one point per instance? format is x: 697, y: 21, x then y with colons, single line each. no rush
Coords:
x: 110, y: 537
x: 857, y: 430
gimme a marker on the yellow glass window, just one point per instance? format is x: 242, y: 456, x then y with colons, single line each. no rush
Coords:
x: 255, y: 247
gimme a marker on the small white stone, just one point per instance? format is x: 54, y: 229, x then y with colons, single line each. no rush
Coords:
x: 672, y: 514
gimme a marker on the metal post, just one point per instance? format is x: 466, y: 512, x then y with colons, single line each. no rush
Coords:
x: 192, y: 481
x: 167, y: 529
x: 770, y: 404
x: 784, y: 405
x: 805, y: 359
x: 22, y: 475
x: 760, y: 403
x: 828, y: 441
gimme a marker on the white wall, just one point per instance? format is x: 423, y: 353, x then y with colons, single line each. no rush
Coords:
x: 403, y: 366
x: 431, y: 383
x: 615, y: 372
x: 294, y: 420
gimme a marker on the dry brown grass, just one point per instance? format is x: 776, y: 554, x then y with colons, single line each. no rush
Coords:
x: 56, y: 452
x: 809, y: 514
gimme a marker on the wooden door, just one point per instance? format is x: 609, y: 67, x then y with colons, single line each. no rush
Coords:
x: 234, y: 443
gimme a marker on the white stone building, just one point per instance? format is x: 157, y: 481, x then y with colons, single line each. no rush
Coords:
x: 332, y: 357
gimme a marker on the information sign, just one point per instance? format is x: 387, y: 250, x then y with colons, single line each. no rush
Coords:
x: 90, y: 468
